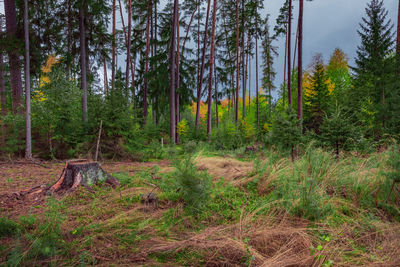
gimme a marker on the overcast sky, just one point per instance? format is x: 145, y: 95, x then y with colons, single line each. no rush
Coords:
x: 328, y: 24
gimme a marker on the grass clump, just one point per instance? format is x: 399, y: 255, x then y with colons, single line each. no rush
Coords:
x: 8, y: 227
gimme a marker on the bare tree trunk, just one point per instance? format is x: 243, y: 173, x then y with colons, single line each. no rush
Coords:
x: 199, y: 89
x: 28, y: 139
x: 237, y: 64
x: 188, y: 30
x: 257, y: 95
x: 82, y: 36
x: 383, y: 104
x: 69, y: 38
x: 177, y: 76
x: 243, y: 65
x: 172, y: 74
x: 105, y: 71
x: 211, y: 71
x: 13, y: 57
x: 295, y: 48
x: 249, y: 83
x: 284, y: 67
x: 289, y: 54
x: 216, y: 95
x: 128, y: 43
x: 146, y: 72
x: 113, y: 45
x: 3, y: 99
x: 398, y: 31
x: 300, y: 61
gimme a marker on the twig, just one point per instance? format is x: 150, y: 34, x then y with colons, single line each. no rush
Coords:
x: 98, y: 142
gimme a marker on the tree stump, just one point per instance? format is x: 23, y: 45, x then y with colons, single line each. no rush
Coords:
x: 82, y: 172
x: 75, y: 173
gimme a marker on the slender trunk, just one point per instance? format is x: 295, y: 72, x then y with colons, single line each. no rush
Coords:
x: 284, y: 66
x: 300, y: 62
x: 177, y: 114
x: 146, y: 72
x: 211, y: 71
x: 128, y: 43
x: 69, y: 37
x: 243, y: 65
x: 188, y: 30
x: 257, y: 95
x: 249, y: 83
x: 216, y: 95
x: 105, y: 71
x: 82, y: 37
x: 28, y: 136
x: 13, y: 57
x: 289, y: 54
x: 246, y: 65
x: 295, y: 48
x: 199, y: 89
x: 3, y: 99
x: 172, y: 74
x: 383, y: 104
x: 113, y: 46
x: 237, y: 64
x: 398, y: 31
x: 198, y: 45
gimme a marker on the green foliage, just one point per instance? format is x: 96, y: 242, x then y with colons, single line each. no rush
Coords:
x: 337, y: 131
x: 286, y: 131
x: 193, y: 186
x: 227, y: 136
x: 8, y: 227
x: 15, y: 143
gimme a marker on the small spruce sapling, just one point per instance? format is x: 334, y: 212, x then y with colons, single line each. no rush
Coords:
x: 337, y: 130
x: 286, y: 131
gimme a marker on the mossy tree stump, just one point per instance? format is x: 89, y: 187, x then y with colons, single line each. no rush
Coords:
x: 75, y: 173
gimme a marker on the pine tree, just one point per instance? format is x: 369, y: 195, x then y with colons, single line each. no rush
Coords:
x: 376, y: 43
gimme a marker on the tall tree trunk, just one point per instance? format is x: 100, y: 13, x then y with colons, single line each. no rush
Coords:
x: 383, y: 104
x: 284, y: 66
x: 216, y: 95
x: 28, y: 136
x: 177, y: 114
x: 128, y: 43
x: 82, y: 37
x: 172, y: 74
x: 295, y: 48
x: 257, y: 94
x: 69, y: 38
x: 211, y: 71
x: 249, y: 83
x: 243, y: 65
x: 105, y: 71
x: 113, y: 45
x: 300, y: 61
x: 237, y: 64
x: 13, y: 57
x: 289, y: 54
x: 146, y: 72
x: 398, y: 31
x: 198, y: 44
x: 3, y: 99
x: 199, y: 89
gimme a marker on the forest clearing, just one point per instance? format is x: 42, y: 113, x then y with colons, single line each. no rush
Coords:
x: 260, y: 209
x: 200, y: 133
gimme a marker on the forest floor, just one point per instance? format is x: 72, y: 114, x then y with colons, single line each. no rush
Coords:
x: 112, y: 227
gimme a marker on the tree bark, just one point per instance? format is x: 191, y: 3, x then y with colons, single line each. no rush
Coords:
x: 257, y: 94
x: 146, y: 72
x: 13, y: 57
x: 113, y: 45
x: 28, y: 137
x: 284, y: 66
x: 128, y: 43
x: 398, y: 31
x: 243, y: 65
x: 237, y: 64
x: 300, y: 61
x: 289, y: 54
x: 199, y: 89
x: 3, y: 99
x: 82, y: 36
x: 211, y: 71
x: 172, y: 74
x: 177, y: 114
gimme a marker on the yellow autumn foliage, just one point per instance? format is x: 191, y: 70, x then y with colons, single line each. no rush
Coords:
x: 182, y: 128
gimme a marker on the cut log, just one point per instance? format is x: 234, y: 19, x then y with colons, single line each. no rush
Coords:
x: 75, y: 173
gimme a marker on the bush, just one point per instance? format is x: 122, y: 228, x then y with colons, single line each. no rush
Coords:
x: 8, y: 227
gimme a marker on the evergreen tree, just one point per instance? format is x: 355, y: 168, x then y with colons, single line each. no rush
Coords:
x: 371, y: 71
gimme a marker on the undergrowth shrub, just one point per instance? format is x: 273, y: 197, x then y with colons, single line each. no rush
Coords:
x: 8, y: 227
